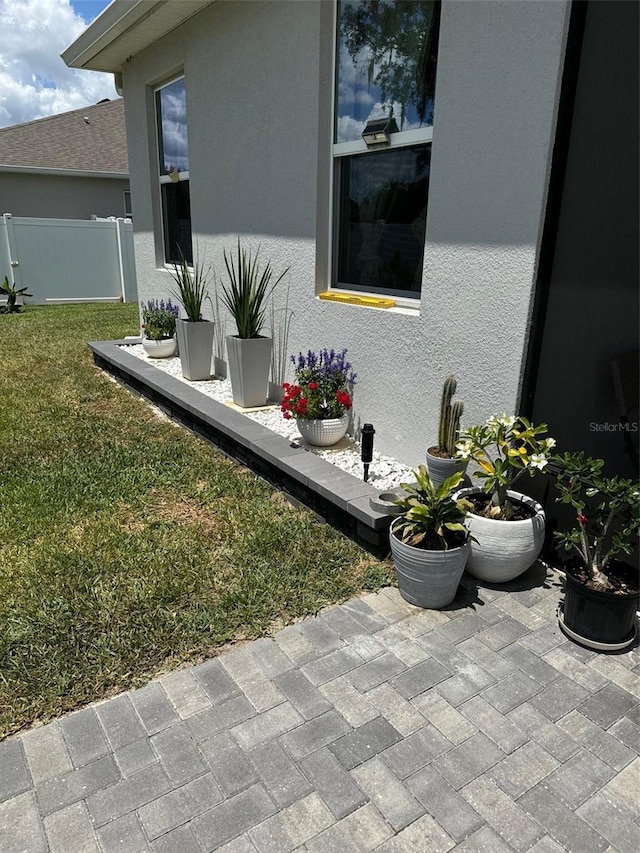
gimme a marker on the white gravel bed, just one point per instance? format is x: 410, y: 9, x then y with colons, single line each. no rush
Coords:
x: 384, y: 472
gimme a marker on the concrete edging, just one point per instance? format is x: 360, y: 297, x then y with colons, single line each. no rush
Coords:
x: 341, y: 499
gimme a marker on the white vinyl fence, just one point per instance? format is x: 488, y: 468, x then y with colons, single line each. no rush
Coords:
x: 69, y: 260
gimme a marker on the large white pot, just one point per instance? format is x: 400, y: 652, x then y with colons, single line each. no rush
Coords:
x: 503, y: 549
x: 164, y: 348
x: 427, y: 578
x: 323, y: 433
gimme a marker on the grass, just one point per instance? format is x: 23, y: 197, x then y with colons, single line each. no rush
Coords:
x: 127, y: 544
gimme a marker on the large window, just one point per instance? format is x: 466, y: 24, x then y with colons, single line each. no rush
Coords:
x: 173, y: 150
x: 386, y: 54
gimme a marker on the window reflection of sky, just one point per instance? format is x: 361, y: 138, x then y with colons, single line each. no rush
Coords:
x: 358, y: 100
x: 173, y: 111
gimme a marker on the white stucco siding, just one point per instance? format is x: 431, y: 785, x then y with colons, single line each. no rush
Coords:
x: 257, y: 82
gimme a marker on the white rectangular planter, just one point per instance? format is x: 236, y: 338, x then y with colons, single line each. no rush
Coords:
x: 195, y: 342
x: 249, y: 364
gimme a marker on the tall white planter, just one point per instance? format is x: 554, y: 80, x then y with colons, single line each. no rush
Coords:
x: 195, y: 343
x: 249, y: 365
x: 503, y: 549
x: 427, y: 578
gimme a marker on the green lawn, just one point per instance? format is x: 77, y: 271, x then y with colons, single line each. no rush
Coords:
x: 128, y: 545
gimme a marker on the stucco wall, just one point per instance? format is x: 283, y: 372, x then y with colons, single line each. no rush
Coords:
x: 258, y: 81
x: 55, y: 197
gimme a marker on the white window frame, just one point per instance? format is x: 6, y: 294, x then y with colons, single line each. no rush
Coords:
x: 165, y: 179
x: 401, y: 139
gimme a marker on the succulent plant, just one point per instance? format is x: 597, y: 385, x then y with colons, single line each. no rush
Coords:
x: 450, y: 414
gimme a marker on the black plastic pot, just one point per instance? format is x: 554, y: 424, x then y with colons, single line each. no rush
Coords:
x: 599, y: 616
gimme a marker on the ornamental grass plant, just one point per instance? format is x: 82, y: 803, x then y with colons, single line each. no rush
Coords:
x: 323, y: 386
x: 246, y: 295
x: 125, y: 547
x: 192, y: 286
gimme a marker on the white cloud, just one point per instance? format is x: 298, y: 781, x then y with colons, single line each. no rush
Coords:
x: 34, y: 81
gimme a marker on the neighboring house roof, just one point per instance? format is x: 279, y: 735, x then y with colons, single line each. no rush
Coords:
x: 89, y: 140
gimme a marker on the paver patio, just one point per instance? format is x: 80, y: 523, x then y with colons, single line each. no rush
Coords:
x: 373, y: 726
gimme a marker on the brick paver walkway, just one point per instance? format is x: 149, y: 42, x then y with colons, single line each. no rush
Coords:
x: 374, y: 726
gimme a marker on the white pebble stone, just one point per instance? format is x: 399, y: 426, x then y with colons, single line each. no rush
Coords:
x: 384, y: 472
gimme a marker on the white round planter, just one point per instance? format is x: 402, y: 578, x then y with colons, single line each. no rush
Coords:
x: 427, y: 578
x: 441, y: 469
x: 503, y: 549
x: 323, y: 433
x: 164, y: 348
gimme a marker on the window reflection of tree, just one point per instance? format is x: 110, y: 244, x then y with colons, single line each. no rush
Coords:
x: 399, y: 41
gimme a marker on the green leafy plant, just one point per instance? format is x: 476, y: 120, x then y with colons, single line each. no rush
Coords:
x: 450, y: 414
x: 505, y: 448
x: 429, y: 517
x: 192, y: 287
x: 159, y: 319
x: 248, y: 290
x: 12, y: 293
x: 607, y: 512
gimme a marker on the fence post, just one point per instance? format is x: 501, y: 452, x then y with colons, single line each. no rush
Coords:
x: 14, y: 263
x: 120, y: 242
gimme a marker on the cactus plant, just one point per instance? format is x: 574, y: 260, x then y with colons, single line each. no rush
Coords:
x: 450, y: 414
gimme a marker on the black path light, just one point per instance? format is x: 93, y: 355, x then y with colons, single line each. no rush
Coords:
x: 366, y: 448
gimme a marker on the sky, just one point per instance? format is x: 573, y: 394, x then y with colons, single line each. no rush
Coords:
x: 34, y: 81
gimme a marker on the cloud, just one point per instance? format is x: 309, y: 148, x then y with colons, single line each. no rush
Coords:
x: 34, y: 81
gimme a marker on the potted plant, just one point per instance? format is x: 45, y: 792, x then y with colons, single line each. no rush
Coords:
x: 246, y: 296
x: 159, y: 326
x: 195, y: 334
x: 429, y: 541
x: 443, y: 459
x: 320, y: 398
x: 601, y: 592
x: 508, y: 527
x: 13, y: 294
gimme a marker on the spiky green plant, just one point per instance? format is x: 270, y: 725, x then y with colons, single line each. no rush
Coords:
x: 192, y: 286
x: 247, y: 293
x: 450, y: 414
x: 12, y: 292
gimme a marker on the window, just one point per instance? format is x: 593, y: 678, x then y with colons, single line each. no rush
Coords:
x: 385, y: 67
x: 173, y: 153
x: 127, y: 204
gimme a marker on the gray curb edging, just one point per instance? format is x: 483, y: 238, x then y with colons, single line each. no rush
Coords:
x: 341, y: 499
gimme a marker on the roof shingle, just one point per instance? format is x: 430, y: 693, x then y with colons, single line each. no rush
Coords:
x: 67, y: 141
